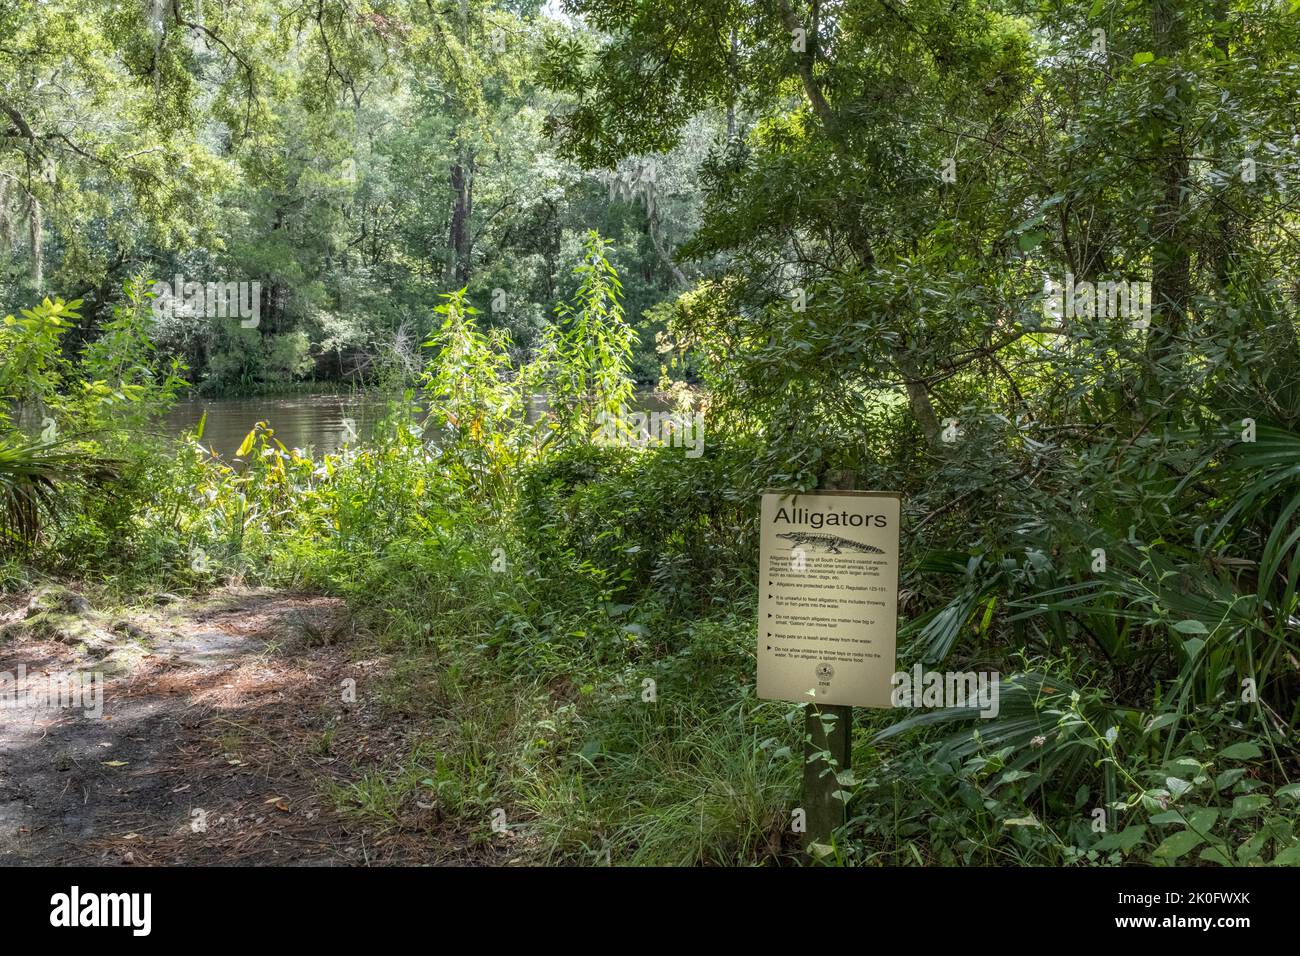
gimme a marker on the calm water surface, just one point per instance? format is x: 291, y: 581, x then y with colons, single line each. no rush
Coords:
x: 316, y: 423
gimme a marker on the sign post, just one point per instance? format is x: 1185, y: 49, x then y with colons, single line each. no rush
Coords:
x: 828, y: 750
x: 827, y: 622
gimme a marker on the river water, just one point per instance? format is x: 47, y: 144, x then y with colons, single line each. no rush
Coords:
x: 319, y: 423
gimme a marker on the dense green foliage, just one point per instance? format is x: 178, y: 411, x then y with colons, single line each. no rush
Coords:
x: 356, y: 163
x: 853, y: 212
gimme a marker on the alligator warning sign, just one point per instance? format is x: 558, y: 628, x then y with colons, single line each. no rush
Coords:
x: 828, y: 598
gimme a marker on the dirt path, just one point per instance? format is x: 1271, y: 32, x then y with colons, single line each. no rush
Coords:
x: 224, y: 722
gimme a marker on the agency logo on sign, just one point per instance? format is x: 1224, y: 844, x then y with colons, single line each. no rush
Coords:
x: 825, y: 672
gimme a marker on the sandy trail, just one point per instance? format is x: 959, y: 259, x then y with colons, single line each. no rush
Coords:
x: 223, y: 723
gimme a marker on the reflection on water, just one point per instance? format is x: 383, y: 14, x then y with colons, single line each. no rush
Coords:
x: 319, y: 423
x: 316, y: 423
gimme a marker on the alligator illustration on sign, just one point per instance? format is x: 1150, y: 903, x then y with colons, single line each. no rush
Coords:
x: 827, y: 542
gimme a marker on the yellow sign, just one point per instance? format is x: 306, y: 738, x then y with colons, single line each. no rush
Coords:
x: 828, y: 598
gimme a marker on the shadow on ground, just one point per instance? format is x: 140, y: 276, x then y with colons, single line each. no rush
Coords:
x: 224, y: 723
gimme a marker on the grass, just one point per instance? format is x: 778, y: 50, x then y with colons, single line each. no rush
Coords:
x: 666, y: 785
x: 586, y: 769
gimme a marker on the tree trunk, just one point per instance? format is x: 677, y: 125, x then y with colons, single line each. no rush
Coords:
x: 731, y: 105
x: 652, y: 225
x: 918, y: 393
x: 1171, y: 254
x: 462, y: 208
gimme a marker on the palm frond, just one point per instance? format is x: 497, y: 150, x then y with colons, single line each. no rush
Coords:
x: 35, y: 478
